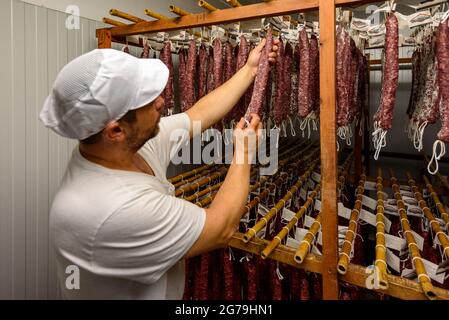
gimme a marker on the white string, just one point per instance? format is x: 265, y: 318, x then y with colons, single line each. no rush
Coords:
x: 284, y: 129
x: 445, y: 16
x: 361, y: 128
x: 269, y: 123
x: 278, y: 272
x: 420, y: 133
x: 436, y: 157
x: 293, y: 132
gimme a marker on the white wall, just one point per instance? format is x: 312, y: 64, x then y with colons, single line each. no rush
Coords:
x: 36, y: 45
x: 100, y: 8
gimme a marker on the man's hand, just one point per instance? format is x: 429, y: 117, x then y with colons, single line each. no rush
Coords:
x: 246, y: 140
x: 254, y: 56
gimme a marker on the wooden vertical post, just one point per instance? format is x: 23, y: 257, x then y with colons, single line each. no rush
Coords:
x: 104, y: 38
x: 328, y: 144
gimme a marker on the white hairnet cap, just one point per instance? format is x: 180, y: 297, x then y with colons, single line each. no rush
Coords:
x: 99, y: 87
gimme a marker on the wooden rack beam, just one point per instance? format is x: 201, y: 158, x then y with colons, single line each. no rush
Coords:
x: 379, y: 62
x: 398, y: 287
x: 124, y: 15
x: 238, y: 13
x: 224, y: 16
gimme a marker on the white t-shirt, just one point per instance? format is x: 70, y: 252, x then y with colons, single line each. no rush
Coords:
x: 125, y: 231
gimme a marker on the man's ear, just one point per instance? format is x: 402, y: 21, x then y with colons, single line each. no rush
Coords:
x: 114, y: 131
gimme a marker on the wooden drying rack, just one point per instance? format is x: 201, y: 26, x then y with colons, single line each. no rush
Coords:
x: 326, y: 264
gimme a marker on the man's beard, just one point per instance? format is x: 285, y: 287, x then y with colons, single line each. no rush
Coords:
x: 134, y: 142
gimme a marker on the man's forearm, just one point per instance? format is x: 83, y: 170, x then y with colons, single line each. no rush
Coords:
x: 214, y: 106
x: 231, y: 198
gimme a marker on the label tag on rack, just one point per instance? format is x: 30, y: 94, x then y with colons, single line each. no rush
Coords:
x: 408, y: 273
x: 292, y: 242
x: 393, y: 261
x: 404, y: 187
x: 261, y: 233
x: 369, y: 202
x: 343, y: 211
x: 395, y: 243
x: 371, y: 219
x: 431, y: 269
x: 311, y: 184
x: 419, y: 240
x: 245, y: 217
x: 410, y: 201
x: 369, y: 185
x: 287, y: 214
x: 303, y: 194
x: 300, y: 234
x: 406, y: 194
x: 288, y: 204
x: 318, y: 205
x: 414, y: 211
x: 316, y: 176
x: 272, y: 225
x: 308, y: 221
x: 262, y: 210
x: 315, y: 250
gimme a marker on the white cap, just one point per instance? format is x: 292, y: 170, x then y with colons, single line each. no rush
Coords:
x: 99, y: 87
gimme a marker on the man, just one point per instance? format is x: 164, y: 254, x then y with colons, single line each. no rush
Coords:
x: 115, y: 217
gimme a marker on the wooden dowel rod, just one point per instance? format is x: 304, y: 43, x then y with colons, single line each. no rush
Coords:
x: 251, y: 233
x: 113, y: 22
x: 380, y: 249
x: 343, y: 261
x: 206, y: 5
x: 177, y: 10
x: 155, y: 15
x: 434, y: 224
x: 224, y: 16
x: 418, y: 264
x: 234, y: 3
x: 438, y: 203
x: 124, y: 15
x: 306, y: 243
x: 285, y: 230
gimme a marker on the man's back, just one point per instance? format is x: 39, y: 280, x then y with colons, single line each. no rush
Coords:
x: 124, y: 230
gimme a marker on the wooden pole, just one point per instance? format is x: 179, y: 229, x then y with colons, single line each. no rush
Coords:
x: 104, y: 38
x: 380, y: 249
x: 234, y: 3
x: 113, y: 22
x: 249, y: 12
x: 180, y: 12
x: 124, y: 15
x: 415, y: 255
x: 155, y: 15
x: 206, y: 5
x: 328, y: 149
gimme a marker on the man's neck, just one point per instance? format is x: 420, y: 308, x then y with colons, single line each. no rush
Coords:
x: 113, y: 158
